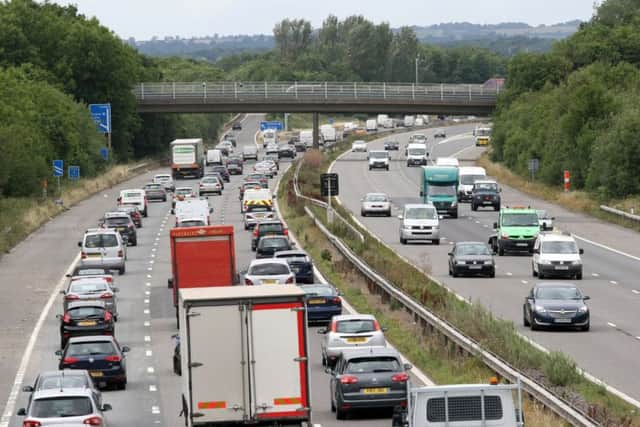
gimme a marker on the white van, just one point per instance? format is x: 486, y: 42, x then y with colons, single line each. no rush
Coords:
x: 192, y: 209
x: 388, y: 123
x: 409, y: 121
x: 306, y: 138
x: 261, y: 197
x: 136, y: 197
x: 328, y: 133
x: 214, y: 157
x: 269, y: 136
x: 417, y: 154
x: 467, y: 175
x: 372, y: 125
x: 447, y: 161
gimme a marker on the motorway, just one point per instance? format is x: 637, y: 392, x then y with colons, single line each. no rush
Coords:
x: 611, y: 259
x: 36, y: 270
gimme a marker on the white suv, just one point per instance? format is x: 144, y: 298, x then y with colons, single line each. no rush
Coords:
x: 104, y: 248
x: 557, y: 255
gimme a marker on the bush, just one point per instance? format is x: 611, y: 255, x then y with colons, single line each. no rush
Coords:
x: 560, y: 370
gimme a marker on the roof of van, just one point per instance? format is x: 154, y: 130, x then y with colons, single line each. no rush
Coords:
x: 186, y: 141
x: 472, y: 170
x: 240, y: 292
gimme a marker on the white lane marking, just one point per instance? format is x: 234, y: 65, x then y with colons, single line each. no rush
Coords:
x: 613, y: 282
x: 509, y: 273
x: 150, y: 269
x: 154, y: 249
x: 149, y: 353
x: 485, y: 226
x: 148, y: 283
x: 635, y: 291
x: 638, y: 338
x: 146, y: 311
x: 146, y: 301
x: 147, y: 292
x: 153, y: 255
x: 147, y: 338
x: 455, y: 138
x: 153, y: 388
x: 600, y: 245
x: 524, y: 282
x: 157, y: 238
x: 477, y: 222
x: 595, y: 274
x: 151, y: 261
x: 155, y: 244
x: 613, y: 325
x: 147, y: 323
x: 150, y: 370
x: 9, y: 407
x: 155, y: 409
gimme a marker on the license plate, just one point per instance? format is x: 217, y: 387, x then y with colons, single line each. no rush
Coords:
x: 486, y: 203
x: 316, y: 301
x: 269, y: 282
x: 96, y: 374
x: 87, y: 323
x: 376, y: 390
x: 475, y: 267
x: 561, y: 267
x: 522, y: 244
x: 356, y: 340
x: 94, y: 255
x: 562, y: 320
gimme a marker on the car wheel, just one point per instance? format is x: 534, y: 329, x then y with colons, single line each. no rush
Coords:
x: 496, y: 208
x: 474, y: 207
x: 389, y: 212
x: 533, y: 272
x: 532, y: 324
x: 121, y: 385
x: 324, y: 361
x: 492, y: 274
x: 144, y: 213
x: 341, y: 414
x: 134, y: 242
x: 436, y: 241
x: 164, y: 199
x: 403, y: 241
x: 363, y: 213
x: 333, y: 406
x: 586, y: 327
x: 121, y: 270
x: 540, y: 275
x: 176, y: 367
x: 525, y: 322
x: 500, y: 251
x: 453, y: 273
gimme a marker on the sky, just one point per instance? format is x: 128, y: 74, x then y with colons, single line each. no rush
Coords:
x: 143, y: 19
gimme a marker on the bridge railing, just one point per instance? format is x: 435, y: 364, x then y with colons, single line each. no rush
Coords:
x: 302, y: 92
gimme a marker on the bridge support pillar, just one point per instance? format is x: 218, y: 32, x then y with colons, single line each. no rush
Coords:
x: 316, y: 131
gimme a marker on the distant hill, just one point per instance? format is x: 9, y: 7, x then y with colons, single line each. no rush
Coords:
x: 507, y: 38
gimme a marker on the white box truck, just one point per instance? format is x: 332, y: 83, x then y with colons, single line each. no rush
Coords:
x: 328, y: 134
x: 306, y: 138
x: 372, y: 125
x: 381, y: 119
x: 187, y: 158
x: 244, y: 356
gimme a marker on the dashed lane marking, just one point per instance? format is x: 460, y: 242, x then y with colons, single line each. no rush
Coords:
x: 150, y: 370
x: 153, y: 388
x: 613, y: 325
x: 146, y: 311
x: 524, y: 282
x: 147, y: 323
x: 595, y: 274
x: 635, y: 291
x: 509, y: 273
x: 147, y: 338
x: 613, y: 282
x: 155, y: 409
x: 146, y: 301
x: 150, y: 269
x: 147, y: 292
x: 148, y: 284
x: 149, y: 353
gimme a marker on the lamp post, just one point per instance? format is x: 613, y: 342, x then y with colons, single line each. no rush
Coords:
x: 417, y: 61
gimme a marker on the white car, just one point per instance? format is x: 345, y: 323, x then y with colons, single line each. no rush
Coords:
x: 69, y: 407
x: 350, y: 331
x: 375, y: 203
x: 269, y: 271
x: 556, y: 255
x: 210, y: 184
x: 165, y: 180
x: 359, y: 145
x: 545, y: 221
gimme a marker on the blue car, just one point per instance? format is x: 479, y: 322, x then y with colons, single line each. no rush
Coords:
x: 323, y: 302
x: 300, y: 264
x: 101, y: 355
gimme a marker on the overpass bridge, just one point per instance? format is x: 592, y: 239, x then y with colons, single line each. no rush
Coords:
x: 315, y: 97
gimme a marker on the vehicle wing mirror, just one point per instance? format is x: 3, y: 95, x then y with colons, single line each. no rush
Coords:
x: 210, y: 210
x: 27, y: 389
x: 106, y: 407
x: 495, y: 225
x: 400, y: 216
x: 79, y: 244
x: 450, y: 254
x: 125, y: 349
x: 586, y: 298
x: 408, y: 366
x: 328, y: 370
x: 169, y: 283
x: 322, y: 331
x: 536, y: 251
x: 581, y: 251
x: 114, y: 289
x: 67, y: 275
x: 58, y: 353
x: 553, y: 218
x: 421, y: 193
x: 530, y: 299
x: 63, y: 292
x: 22, y: 412
x: 384, y: 329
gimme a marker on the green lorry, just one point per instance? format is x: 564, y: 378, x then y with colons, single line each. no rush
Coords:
x: 440, y: 188
x: 516, y: 230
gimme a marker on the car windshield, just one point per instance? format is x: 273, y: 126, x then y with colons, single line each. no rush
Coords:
x: 60, y: 407
x: 486, y: 187
x: 86, y: 312
x: 264, y: 229
x: 421, y: 213
x: 89, y: 271
x: 475, y: 249
x: 101, y: 241
x: 210, y: 180
x: 90, y: 348
x: 153, y: 187
x: 441, y: 190
x: 376, y: 198
x: 63, y: 381
x: 273, y: 243
x: 82, y: 287
x: 249, y: 150
x: 132, y: 195
x: 369, y: 365
x: 183, y: 191
x: 355, y: 326
x: 378, y: 155
x: 219, y: 169
x: 162, y: 178
x: 117, y: 221
x: 559, y: 248
x: 470, y: 179
x: 324, y: 291
x: 558, y: 293
x: 520, y: 220
x: 417, y: 151
x: 257, y: 208
x: 268, y: 269
x: 191, y: 224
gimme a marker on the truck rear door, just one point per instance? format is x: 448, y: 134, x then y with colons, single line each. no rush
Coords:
x: 216, y: 333
x: 279, y: 377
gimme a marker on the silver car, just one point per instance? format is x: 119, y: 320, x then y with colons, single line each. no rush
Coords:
x: 91, y: 289
x: 375, y: 203
x: 349, y: 331
x: 66, y: 378
x: 419, y: 222
x: 64, y: 407
x: 359, y: 146
x: 265, y: 168
x: 249, y: 152
x: 269, y: 271
x: 210, y: 184
x: 103, y: 248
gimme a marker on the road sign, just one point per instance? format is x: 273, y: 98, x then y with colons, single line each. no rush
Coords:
x: 58, y: 168
x: 74, y: 172
x: 101, y: 114
x: 331, y: 120
x: 104, y: 153
x: 329, y: 184
x: 534, y: 165
x: 271, y: 125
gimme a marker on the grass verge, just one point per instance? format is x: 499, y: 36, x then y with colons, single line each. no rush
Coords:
x: 19, y: 217
x: 554, y: 370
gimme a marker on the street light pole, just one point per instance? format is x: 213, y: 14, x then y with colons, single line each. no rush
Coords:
x: 417, y: 60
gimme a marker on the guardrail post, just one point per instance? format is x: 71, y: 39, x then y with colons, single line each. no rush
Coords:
x: 141, y: 90
x: 469, y: 92
x: 441, y: 91
x: 413, y: 91
x: 173, y: 89
x: 204, y: 90
x: 265, y: 90
x: 384, y: 90
x: 235, y: 90
x: 355, y: 90
x: 325, y: 90
x: 295, y: 84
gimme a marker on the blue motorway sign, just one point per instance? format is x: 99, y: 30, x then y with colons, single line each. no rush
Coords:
x: 74, y: 172
x: 104, y: 153
x: 101, y: 114
x: 58, y: 168
x: 271, y: 125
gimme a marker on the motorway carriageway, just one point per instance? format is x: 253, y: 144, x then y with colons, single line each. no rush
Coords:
x: 610, y: 351
x: 147, y: 316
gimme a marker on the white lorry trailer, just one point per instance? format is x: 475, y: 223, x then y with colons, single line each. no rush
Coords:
x: 244, y: 356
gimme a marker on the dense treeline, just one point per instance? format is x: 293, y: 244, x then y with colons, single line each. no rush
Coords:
x: 576, y: 107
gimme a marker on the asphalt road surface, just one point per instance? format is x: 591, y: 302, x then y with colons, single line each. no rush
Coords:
x: 611, y: 259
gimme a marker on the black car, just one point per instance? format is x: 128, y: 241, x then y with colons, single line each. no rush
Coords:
x: 101, y: 355
x: 470, y: 259
x: 155, y: 192
x: 485, y: 194
x: 267, y: 228
x: 236, y: 126
x: 235, y: 166
x: 123, y: 223
x: 323, y: 302
x: 286, y: 150
x: 133, y: 212
x: 368, y: 378
x: 440, y: 133
x: 269, y: 245
x: 554, y: 304
x: 300, y: 264
x: 300, y: 146
x: 223, y: 171
x: 391, y: 145
x: 84, y: 318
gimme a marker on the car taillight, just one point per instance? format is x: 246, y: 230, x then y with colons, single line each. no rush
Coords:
x: 348, y: 379
x: 113, y: 358
x: 255, y: 231
x: 337, y: 300
x: 93, y: 421
x: 120, y: 254
x: 66, y: 318
x: 83, y: 255
x: 31, y: 423
x: 289, y: 281
x: 106, y: 295
x: 248, y: 282
x: 70, y: 360
x: 334, y: 327
x: 107, y: 316
x: 109, y: 279
x: 400, y: 378
x: 286, y: 231
x: 71, y: 297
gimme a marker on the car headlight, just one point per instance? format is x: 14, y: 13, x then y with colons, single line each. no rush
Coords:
x: 488, y: 262
x: 583, y: 309
x: 540, y: 309
x: 460, y: 262
x: 545, y: 262
x: 576, y: 262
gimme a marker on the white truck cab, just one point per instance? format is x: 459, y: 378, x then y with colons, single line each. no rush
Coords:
x: 378, y: 159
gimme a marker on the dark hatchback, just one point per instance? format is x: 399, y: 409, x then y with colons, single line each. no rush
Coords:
x: 556, y: 305
x: 368, y: 378
x: 235, y: 166
x: 286, y: 150
x: 485, y: 194
x: 269, y: 245
x: 223, y: 171
x: 267, y: 228
x: 391, y: 145
x: 123, y: 224
x: 323, y: 302
x: 133, y: 212
x: 155, y: 192
x: 101, y: 355
x: 300, y: 264
x: 471, y: 259
x: 85, y: 318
